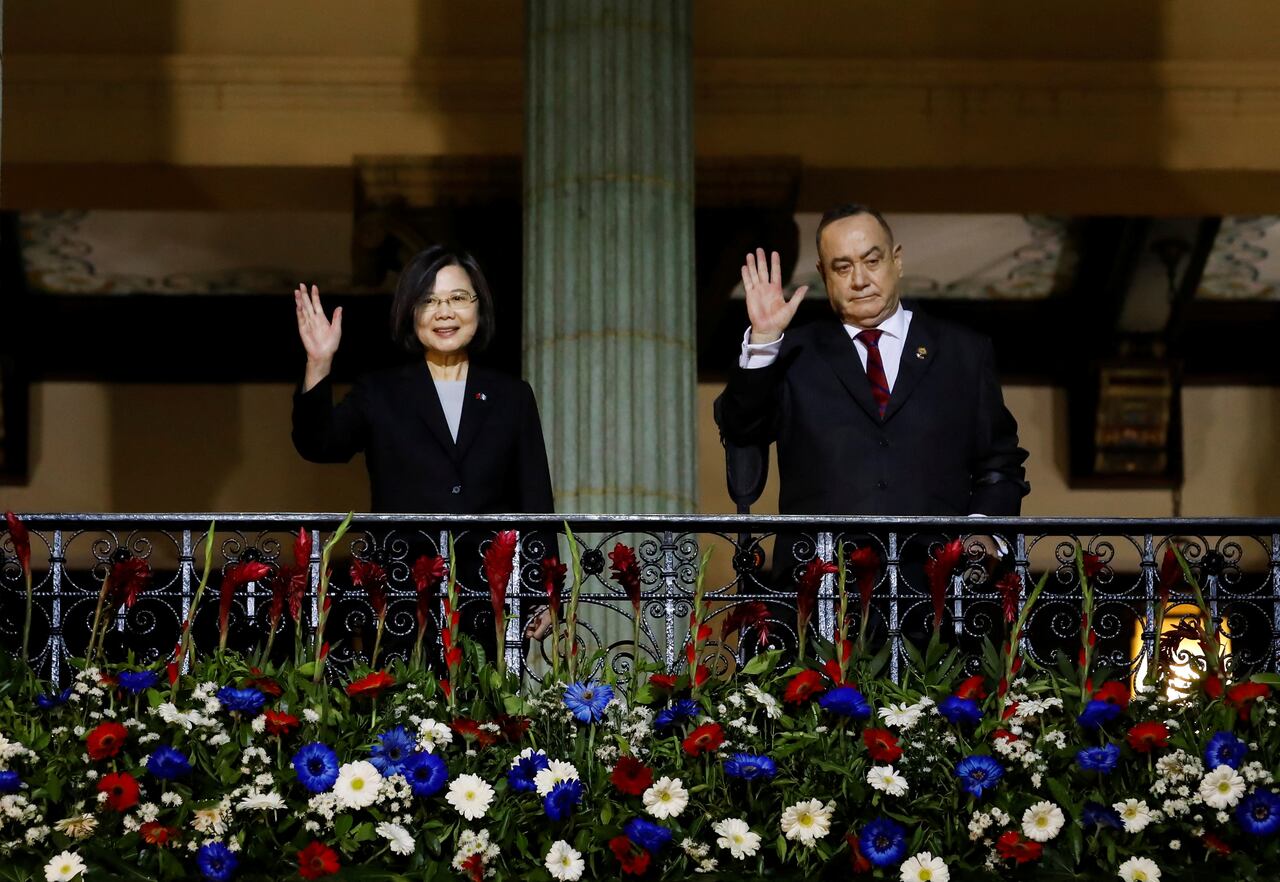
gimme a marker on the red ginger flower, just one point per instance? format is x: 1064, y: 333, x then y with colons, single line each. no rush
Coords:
x: 370, y: 685
x: 807, y: 587
x: 21, y: 540
x: 1012, y: 845
x: 1146, y: 737
x: 626, y: 572
x: 630, y: 776
x: 105, y: 740
x: 499, y: 561
x: 553, y: 575
x: 317, y: 860
x: 803, y: 686
x: 121, y: 789
x: 126, y: 579
x: 236, y: 577
x: 302, y: 549
x: 859, y: 861
x: 369, y: 575
x: 704, y: 739
x: 864, y: 564
x: 882, y: 745
x: 938, y: 571
x: 752, y: 614
x: 1170, y: 575
x: 634, y: 859
x: 1010, y: 588
x: 428, y: 572
x: 1092, y: 564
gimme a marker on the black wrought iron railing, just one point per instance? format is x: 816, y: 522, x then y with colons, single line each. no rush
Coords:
x: 1236, y: 561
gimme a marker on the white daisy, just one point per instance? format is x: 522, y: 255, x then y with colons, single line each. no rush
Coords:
x: 887, y: 780
x: 432, y: 734
x: 564, y: 862
x: 1042, y: 821
x: 470, y: 795
x: 398, y: 838
x: 1139, y: 869
x: 924, y: 867
x: 64, y: 867
x: 1135, y: 815
x: 263, y: 802
x: 737, y: 837
x: 666, y: 798
x: 556, y: 772
x: 209, y: 820
x: 902, y: 716
x: 807, y: 821
x: 1221, y: 788
x: 77, y: 826
x: 357, y: 785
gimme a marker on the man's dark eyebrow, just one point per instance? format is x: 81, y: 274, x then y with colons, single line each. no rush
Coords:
x: 872, y: 250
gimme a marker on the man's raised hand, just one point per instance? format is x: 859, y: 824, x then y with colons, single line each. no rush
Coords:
x: 767, y: 307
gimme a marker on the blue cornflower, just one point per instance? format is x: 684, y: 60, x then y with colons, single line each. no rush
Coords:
x: 427, y: 773
x: 1097, y: 713
x: 317, y: 766
x: 217, y: 862
x: 847, y: 702
x: 524, y: 767
x: 242, y: 701
x: 392, y: 751
x: 1098, y: 759
x: 1225, y: 749
x: 978, y: 773
x: 750, y: 766
x: 1098, y: 815
x: 684, y: 709
x: 960, y: 711
x: 587, y: 701
x: 560, y: 802
x: 647, y: 834
x: 883, y: 842
x: 49, y: 702
x: 166, y: 763
x: 136, y: 681
x: 1259, y: 813
x: 9, y: 781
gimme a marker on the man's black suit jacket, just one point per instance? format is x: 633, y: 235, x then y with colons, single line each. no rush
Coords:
x: 946, y: 446
x: 498, y: 464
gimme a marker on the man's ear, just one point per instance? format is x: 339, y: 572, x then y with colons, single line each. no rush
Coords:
x: 897, y: 258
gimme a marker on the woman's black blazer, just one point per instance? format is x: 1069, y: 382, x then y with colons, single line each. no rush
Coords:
x: 498, y: 464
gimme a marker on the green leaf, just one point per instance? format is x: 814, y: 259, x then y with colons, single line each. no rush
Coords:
x: 1268, y: 679
x: 341, y: 826
x: 762, y: 664
x: 307, y: 669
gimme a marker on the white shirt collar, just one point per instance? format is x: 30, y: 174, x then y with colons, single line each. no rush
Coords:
x: 894, y: 326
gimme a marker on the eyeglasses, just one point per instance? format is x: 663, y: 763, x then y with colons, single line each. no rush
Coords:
x: 456, y: 300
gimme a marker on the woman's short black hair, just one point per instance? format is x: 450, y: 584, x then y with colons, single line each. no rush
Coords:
x: 417, y: 280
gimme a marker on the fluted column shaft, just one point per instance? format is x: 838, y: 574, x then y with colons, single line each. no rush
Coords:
x: 609, y: 283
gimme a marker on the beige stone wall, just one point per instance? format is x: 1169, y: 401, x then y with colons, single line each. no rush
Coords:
x: 226, y: 448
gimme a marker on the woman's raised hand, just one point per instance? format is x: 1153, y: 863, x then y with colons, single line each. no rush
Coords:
x: 320, y: 336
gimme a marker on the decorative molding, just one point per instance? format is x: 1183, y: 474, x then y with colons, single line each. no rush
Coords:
x: 722, y: 85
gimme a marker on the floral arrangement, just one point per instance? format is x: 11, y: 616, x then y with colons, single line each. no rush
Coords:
x: 817, y: 767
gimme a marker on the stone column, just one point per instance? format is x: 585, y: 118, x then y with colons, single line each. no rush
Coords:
x: 609, y: 299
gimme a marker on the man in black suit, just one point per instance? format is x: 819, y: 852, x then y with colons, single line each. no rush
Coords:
x: 879, y: 410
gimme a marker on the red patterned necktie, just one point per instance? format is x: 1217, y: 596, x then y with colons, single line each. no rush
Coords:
x: 875, y: 369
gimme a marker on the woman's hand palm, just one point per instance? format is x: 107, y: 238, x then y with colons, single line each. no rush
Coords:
x: 320, y: 335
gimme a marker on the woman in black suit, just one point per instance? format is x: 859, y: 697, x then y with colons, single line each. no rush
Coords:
x: 440, y: 434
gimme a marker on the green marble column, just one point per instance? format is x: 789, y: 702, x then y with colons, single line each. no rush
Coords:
x: 608, y: 258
